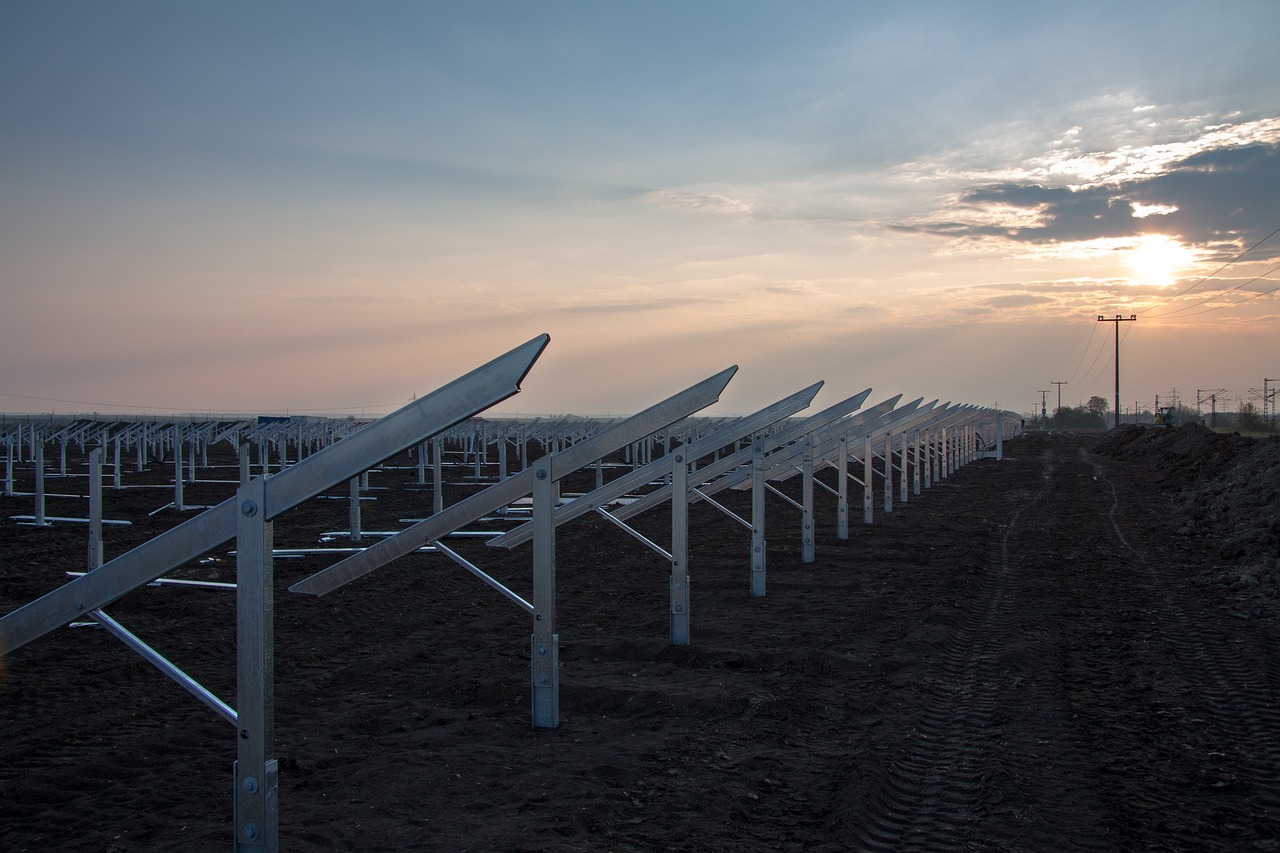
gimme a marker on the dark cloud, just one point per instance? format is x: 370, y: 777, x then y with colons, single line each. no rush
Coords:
x: 1226, y: 199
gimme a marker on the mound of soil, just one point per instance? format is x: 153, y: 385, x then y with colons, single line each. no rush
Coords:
x: 1226, y: 490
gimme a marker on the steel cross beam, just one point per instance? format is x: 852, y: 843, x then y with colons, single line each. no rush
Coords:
x: 501, y: 494
x: 721, y: 474
x: 834, y: 442
x: 539, y: 479
x: 437, y: 411
x: 660, y: 467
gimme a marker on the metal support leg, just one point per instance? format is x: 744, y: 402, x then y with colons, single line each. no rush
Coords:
x: 353, y: 513
x: 888, y: 472
x: 806, y: 517
x: 39, y: 512
x: 915, y: 469
x: 902, y: 472
x: 95, y: 508
x: 544, y: 650
x: 437, y: 475
x: 757, y: 520
x: 679, y: 549
x: 256, y: 807
x: 177, y: 470
x: 842, y: 498
x: 868, y: 471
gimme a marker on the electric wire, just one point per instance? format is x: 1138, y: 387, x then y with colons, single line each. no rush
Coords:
x: 1092, y: 332
x: 1108, y: 363
x: 1196, y: 284
x: 1220, y: 295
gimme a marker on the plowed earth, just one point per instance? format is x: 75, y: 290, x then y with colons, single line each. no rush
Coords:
x: 1033, y: 654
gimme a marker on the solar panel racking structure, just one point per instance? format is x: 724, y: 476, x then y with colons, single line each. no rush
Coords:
x: 663, y: 455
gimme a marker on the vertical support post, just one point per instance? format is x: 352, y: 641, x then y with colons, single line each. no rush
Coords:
x: 243, y: 452
x: 95, y: 508
x: 999, y: 437
x: 353, y: 512
x: 115, y: 466
x: 679, y: 548
x: 177, y: 469
x: 502, y: 457
x: 437, y: 475
x: 902, y: 473
x: 757, y: 520
x: 422, y: 464
x: 39, y: 512
x: 868, y: 471
x: 944, y: 453
x: 9, y: 447
x: 191, y: 459
x: 806, y: 515
x: 915, y: 471
x: 256, y: 806
x: 888, y: 472
x: 842, y: 497
x: 544, y: 644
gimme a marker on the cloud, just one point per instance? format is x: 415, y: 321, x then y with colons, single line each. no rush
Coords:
x: 698, y: 202
x: 1222, y: 198
x: 1017, y: 300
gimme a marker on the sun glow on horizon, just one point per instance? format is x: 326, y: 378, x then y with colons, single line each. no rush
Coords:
x: 1157, y: 259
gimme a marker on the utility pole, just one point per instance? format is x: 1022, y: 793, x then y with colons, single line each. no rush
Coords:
x: 1269, y: 395
x: 1117, y: 320
x: 1044, y: 418
x: 1059, y: 384
x: 1211, y: 395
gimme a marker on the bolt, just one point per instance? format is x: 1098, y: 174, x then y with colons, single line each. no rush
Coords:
x: 250, y: 509
x: 541, y: 474
x: 250, y: 785
x: 244, y: 734
x: 250, y: 832
x: 542, y: 649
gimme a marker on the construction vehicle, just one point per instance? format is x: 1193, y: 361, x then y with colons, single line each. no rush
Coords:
x: 1164, y: 416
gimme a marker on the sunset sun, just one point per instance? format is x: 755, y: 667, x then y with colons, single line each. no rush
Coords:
x: 1157, y: 259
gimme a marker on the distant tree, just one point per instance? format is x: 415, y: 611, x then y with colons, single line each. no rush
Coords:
x: 1077, y: 417
x: 1098, y: 406
x: 1251, y: 420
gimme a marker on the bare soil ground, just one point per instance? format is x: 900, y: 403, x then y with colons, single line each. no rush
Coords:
x: 1072, y: 649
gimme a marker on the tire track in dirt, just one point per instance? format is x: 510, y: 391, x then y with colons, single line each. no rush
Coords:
x: 934, y: 796
x: 1235, y: 676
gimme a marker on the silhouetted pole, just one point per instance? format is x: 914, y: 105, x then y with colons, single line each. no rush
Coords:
x: 1059, y: 384
x: 1117, y: 320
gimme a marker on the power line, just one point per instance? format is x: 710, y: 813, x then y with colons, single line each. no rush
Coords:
x: 1093, y: 331
x: 1196, y: 284
x: 1096, y: 376
x: 1224, y: 293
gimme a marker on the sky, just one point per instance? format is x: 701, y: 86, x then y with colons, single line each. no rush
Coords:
x: 322, y: 207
